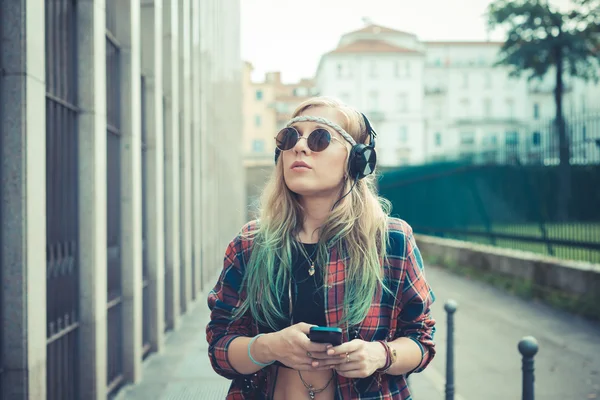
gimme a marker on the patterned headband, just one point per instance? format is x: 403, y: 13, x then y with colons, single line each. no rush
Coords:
x: 333, y: 125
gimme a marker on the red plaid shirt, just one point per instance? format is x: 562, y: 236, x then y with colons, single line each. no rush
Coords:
x: 406, y: 314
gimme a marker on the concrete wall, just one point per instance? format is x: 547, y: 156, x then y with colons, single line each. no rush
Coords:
x: 188, y: 52
x: 549, y: 278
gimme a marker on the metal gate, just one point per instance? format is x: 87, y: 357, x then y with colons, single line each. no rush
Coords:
x: 113, y: 175
x: 145, y: 287
x: 62, y: 284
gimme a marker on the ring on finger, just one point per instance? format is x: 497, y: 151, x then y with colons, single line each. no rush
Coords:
x: 309, y: 354
x: 347, y: 357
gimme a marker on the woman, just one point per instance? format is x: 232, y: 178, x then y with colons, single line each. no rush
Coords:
x: 323, y: 253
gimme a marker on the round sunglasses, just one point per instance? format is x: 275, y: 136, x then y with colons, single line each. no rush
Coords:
x: 318, y: 140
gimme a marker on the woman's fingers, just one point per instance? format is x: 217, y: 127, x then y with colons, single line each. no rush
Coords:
x: 318, y: 355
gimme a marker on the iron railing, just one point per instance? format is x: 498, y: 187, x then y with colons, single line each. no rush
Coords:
x: 62, y: 277
x: 145, y: 287
x: 516, y: 197
x: 533, y: 143
x: 113, y: 175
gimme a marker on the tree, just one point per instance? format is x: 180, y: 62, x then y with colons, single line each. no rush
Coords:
x: 539, y: 38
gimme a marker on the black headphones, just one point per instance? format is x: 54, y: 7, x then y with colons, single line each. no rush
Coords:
x: 363, y: 158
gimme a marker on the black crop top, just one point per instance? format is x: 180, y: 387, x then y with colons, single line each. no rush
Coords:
x: 307, y: 291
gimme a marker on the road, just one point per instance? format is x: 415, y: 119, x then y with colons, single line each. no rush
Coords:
x: 488, y: 326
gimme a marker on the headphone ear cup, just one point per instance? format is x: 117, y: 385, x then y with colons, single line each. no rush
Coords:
x: 362, y: 161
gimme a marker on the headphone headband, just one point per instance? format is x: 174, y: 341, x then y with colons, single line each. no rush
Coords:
x: 362, y: 159
x: 370, y: 131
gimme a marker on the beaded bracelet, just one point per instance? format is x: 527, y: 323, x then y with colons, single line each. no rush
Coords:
x: 252, y: 358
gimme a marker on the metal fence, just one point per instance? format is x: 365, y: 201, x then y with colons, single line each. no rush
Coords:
x: 145, y: 287
x: 514, y: 200
x: 534, y: 143
x: 62, y: 305
x: 113, y: 175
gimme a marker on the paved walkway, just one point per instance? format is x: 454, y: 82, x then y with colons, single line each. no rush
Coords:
x: 183, y: 372
x: 489, y: 324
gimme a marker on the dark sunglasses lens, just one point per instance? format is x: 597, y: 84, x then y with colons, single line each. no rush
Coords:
x: 319, y: 139
x: 286, y: 138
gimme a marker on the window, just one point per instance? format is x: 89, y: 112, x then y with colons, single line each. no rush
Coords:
x: 402, y: 69
x: 487, y: 108
x: 467, y: 138
x: 438, y: 139
x: 536, y: 111
x: 373, y: 101
x: 465, y: 108
x: 512, y: 138
x: 257, y: 120
x: 259, y: 94
x: 373, y: 69
x: 300, y: 91
x: 403, y: 134
x: 437, y: 111
x: 536, y: 138
x: 510, y: 108
x: 490, y: 139
x: 258, y: 146
x: 487, y: 80
x: 402, y: 102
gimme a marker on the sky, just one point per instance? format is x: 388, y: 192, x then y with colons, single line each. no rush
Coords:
x: 290, y: 36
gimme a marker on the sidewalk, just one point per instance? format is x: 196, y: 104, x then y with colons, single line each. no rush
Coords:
x: 183, y: 372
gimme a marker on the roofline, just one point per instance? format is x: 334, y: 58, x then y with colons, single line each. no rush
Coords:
x: 462, y: 43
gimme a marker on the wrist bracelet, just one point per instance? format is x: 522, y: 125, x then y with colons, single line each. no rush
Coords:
x: 388, y: 358
x: 250, y: 354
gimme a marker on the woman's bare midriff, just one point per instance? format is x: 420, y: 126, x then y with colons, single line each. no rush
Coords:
x: 290, y: 387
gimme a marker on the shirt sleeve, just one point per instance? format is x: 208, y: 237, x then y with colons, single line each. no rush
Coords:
x: 415, y: 320
x: 223, y: 300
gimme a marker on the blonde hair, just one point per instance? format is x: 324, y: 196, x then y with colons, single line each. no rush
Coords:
x: 357, y: 226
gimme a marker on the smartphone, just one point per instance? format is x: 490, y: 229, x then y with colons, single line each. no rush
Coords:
x: 325, y: 334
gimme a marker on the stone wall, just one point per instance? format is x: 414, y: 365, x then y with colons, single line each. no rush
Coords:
x: 569, y: 285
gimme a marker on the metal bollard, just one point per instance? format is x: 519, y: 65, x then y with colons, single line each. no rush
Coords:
x: 450, y: 308
x: 528, y: 347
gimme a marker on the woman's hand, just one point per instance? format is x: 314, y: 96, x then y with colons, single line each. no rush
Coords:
x: 292, y: 347
x: 354, y: 359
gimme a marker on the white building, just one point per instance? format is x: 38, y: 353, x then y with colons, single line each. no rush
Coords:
x: 440, y: 100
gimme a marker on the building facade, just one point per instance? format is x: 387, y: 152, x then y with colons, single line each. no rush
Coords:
x: 440, y: 100
x: 118, y: 195
x: 267, y: 106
